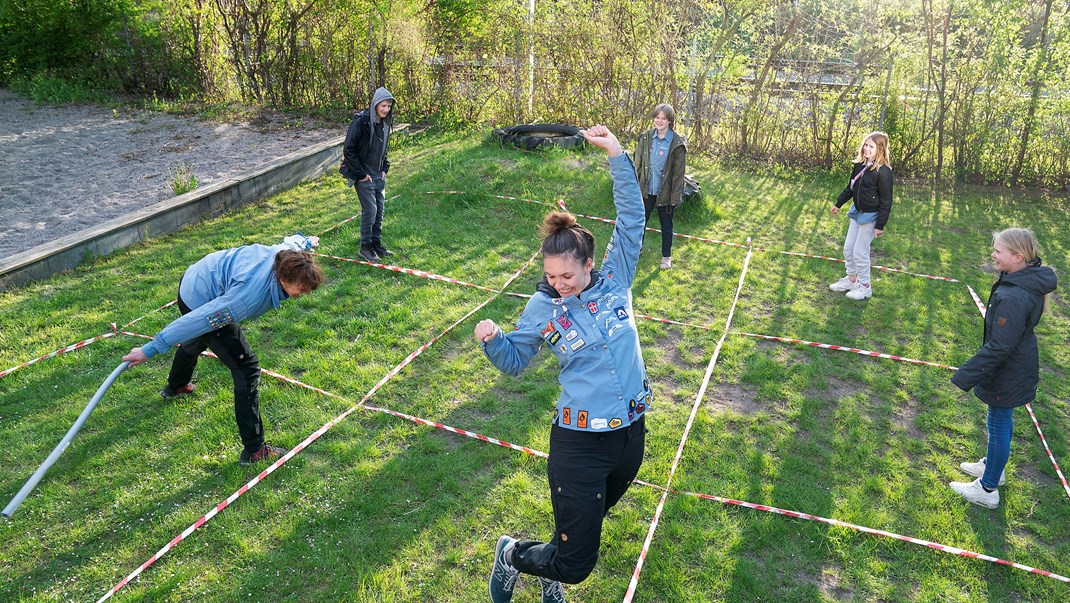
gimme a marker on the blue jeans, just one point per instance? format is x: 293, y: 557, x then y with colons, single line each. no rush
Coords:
x: 1000, y: 428
x: 372, y: 203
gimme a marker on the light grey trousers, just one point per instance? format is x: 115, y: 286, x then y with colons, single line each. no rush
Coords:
x: 856, y: 249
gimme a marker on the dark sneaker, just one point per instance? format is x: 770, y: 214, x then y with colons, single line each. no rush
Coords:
x: 369, y: 254
x: 552, y: 591
x: 174, y: 392
x: 267, y: 452
x: 503, y: 576
x: 381, y: 251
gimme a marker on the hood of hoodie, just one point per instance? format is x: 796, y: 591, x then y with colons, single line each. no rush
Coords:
x: 381, y: 95
x: 1038, y: 280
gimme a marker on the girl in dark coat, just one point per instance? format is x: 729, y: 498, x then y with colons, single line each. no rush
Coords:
x: 870, y: 188
x: 1005, y: 372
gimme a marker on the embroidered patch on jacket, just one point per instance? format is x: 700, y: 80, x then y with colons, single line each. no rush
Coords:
x: 581, y: 419
x: 570, y: 335
x: 577, y: 344
x: 622, y: 314
x: 564, y: 321
x: 598, y: 423
x: 549, y: 328
x: 220, y: 318
x: 615, y: 423
x: 641, y: 408
x: 592, y: 307
x: 566, y: 416
x: 554, y: 338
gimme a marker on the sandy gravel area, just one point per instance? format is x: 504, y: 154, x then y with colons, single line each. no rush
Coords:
x: 67, y: 168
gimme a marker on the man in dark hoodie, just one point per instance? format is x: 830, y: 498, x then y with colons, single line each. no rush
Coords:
x: 365, y: 165
x: 1005, y: 372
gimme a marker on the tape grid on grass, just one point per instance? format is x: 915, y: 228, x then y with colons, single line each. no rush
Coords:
x: 842, y: 524
x: 630, y: 593
x: 1062, y: 478
x: 304, y: 443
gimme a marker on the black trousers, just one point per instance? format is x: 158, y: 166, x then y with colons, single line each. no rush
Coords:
x: 230, y: 345
x: 589, y: 472
x: 665, y: 214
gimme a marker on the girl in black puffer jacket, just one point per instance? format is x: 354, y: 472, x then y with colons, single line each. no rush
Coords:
x: 1005, y: 372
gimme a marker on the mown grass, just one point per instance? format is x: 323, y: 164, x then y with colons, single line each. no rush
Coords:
x: 379, y: 509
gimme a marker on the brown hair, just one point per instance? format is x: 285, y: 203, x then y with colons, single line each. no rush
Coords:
x: 670, y: 113
x: 881, y: 156
x: 298, y: 268
x: 562, y: 235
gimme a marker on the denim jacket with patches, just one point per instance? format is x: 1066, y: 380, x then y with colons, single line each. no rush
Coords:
x: 603, y: 379
x: 226, y: 287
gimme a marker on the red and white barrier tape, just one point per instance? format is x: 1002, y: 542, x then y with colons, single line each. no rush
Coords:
x: 167, y: 305
x: 430, y: 275
x: 826, y: 346
x: 687, y: 431
x: 1062, y: 478
x: 469, y: 434
x: 304, y: 443
x: 70, y: 348
x: 835, y: 522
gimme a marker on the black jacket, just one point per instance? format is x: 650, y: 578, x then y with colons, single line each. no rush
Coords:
x: 364, y: 151
x: 873, y: 192
x: 1006, y: 370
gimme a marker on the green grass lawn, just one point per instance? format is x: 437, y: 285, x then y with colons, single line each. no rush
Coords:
x: 380, y: 509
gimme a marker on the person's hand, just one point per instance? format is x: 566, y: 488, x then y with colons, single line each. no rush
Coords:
x: 486, y: 331
x: 367, y: 178
x: 601, y: 137
x: 135, y: 357
x: 833, y: 210
x: 314, y: 240
x: 877, y: 232
x: 383, y: 175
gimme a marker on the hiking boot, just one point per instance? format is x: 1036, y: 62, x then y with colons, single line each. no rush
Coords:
x: 267, y: 452
x: 552, y: 591
x: 860, y: 292
x: 976, y: 494
x: 368, y: 253
x: 503, y: 575
x: 842, y: 286
x: 666, y: 263
x: 381, y: 251
x: 171, y: 393
x: 978, y: 470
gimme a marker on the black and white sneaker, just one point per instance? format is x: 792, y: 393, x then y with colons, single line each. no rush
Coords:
x: 368, y: 254
x: 381, y: 251
x: 503, y: 575
x: 552, y: 591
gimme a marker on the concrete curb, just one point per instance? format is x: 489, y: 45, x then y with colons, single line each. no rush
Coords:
x: 171, y: 215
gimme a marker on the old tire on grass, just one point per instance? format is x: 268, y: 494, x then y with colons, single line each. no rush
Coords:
x: 533, y: 136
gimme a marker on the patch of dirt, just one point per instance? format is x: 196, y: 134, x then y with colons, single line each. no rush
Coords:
x: 506, y: 163
x: 730, y: 396
x: 828, y: 582
x: 68, y: 168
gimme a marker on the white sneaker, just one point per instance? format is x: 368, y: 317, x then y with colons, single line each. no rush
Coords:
x: 978, y: 470
x: 666, y: 263
x: 860, y: 292
x: 842, y: 286
x: 974, y: 493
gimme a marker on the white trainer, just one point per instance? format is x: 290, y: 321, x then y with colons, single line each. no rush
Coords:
x: 978, y: 470
x: 974, y: 493
x: 842, y: 286
x: 860, y: 292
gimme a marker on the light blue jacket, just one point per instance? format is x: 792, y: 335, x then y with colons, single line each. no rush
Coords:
x: 226, y: 287
x: 603, y: 379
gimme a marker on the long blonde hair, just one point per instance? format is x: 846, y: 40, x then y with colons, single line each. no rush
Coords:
x: 881, y: 156
x: 1021, y: 241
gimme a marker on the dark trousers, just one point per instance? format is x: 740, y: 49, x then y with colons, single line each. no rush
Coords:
x: 230, y: 345
x: 589, y: 472
x: 372, y: 206
x: 665, y: 213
